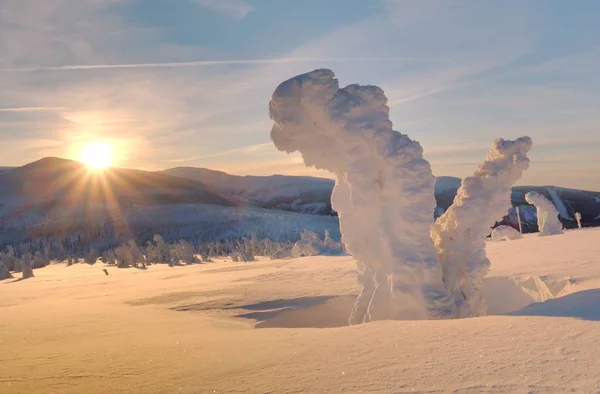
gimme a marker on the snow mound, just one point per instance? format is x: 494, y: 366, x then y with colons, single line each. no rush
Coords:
x: 459, y: 234
x: 505, y: 233
x: 547, y: 214
x: 510, y: 294
x: 348, y: 132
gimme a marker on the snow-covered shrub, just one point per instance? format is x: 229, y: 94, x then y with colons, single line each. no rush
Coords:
x: 459, y: 234
x: 578, y: 219
x: 4, y: 272
x: 505, y: 233
x: 26, y: 268
x: 547, y: 214
x: 283, y: 253
x: 307, y: 247
x: 383, y: 192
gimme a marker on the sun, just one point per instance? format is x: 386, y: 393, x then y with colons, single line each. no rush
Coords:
x: 96, y: 155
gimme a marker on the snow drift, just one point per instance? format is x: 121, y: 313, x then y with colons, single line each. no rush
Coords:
x: 383, y: 192
x: 505, y: 233
x: 547, y: 214
x: 459, y: 234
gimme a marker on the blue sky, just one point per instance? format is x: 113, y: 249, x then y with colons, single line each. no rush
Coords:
x: 187, y: 82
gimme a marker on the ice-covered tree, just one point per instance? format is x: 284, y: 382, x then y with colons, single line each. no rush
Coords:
x: 547, y: 214
x: 383, y: 191
x: 459, y: 234
x: 578, y: 219
x: 4, y: 272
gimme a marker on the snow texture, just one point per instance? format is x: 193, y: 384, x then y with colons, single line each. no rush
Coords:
x: 459, y: 234
x: 384, y: 191
x: 547, y: 214
x: 505, y: 233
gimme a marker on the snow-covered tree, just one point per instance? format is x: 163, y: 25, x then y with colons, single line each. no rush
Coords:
x: 459, y: 234
x: 383, y: 191
x: 4, y: 272
x: 578, y: 218
x: 547, y: 214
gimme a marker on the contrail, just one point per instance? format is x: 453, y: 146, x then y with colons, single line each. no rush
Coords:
x: 31, y: 109
x: 207, y: 63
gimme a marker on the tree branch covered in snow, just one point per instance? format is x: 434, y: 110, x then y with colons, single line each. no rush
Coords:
x: 383, y: 192
x: 547, y: 214
x: 459, y: 234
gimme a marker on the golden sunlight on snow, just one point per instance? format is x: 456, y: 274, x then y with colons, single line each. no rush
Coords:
x: 280, y: 326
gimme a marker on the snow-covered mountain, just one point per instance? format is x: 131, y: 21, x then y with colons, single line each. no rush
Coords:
x: 61, y: 201
x: 59, y: 181
x: 567, y: 202
x: 290, y: 193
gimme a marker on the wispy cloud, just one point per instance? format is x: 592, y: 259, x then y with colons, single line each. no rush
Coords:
x: 230, y: 152
x: 32, y: 109
x: 208, y: 63
x: 234, y: 9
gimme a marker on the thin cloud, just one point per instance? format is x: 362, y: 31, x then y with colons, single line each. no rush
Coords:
x: 32, y: 109
x: 208, y: 63
x: 244, y: 150
x: 234, y: 9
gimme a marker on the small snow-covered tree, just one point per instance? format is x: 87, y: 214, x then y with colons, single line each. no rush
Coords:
x: 547, y: 214
x: 27, y: 266
x: 4, y: 272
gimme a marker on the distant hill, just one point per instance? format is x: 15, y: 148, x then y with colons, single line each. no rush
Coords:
x: 66, y: 181
x: 291, y: 193
x: 64, y: 202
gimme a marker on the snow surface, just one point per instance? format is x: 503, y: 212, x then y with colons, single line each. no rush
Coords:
x: 547, y: 214
x: 348, y: 132
x: 260, y: 327
x: 459, y: 234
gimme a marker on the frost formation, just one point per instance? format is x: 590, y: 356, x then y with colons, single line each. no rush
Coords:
x: 384, y: 196
x: 547, y: 214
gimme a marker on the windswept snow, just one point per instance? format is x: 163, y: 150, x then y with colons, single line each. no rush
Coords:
x: 459, y: 234
x: 547, y: 214
x: 383, y: 192
x: 281, y: 326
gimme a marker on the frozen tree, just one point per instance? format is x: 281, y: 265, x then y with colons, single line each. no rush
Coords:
x: 383, y: 191
x: 459, y: 234
x: 578, y: 218
x: 27, y: 266
x: 505, y: 233
x: 547, y: 214
x: 4, y: 272
x: 91, y: 257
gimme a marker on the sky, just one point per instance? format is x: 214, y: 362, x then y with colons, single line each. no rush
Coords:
x: 171, y: 83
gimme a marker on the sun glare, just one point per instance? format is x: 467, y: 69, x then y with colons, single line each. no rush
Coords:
x: 96, y: 155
